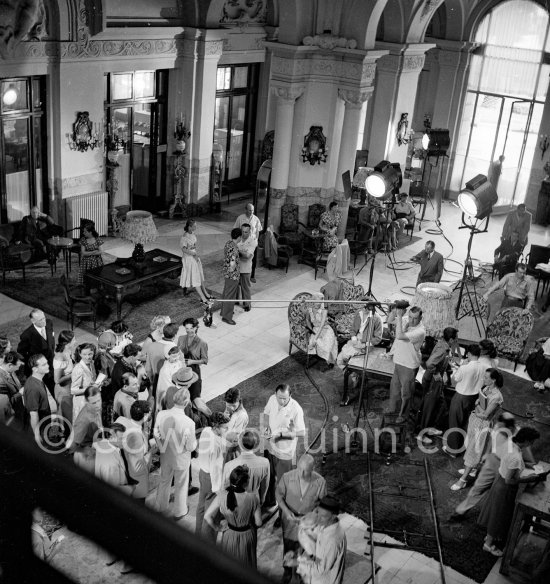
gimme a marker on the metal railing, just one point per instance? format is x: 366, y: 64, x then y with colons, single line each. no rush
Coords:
x: 152, y: 544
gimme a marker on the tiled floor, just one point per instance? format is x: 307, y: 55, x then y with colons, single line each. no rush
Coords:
x: 260, y: 340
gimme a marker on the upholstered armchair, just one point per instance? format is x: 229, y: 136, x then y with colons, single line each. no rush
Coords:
x: 341, y: 315
x: 297, y: 313
x: 509, y: 331
x: 289, y: 230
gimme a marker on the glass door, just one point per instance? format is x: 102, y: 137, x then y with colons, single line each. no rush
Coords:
x: 139, y: 123
x: 22, y: 135
x: 234, y: 122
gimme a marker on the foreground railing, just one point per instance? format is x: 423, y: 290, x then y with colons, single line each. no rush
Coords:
x: 150, y: 543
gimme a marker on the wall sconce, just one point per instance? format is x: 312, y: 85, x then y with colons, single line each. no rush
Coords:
x: 543, y: 145
x: 85, y: 135
x: 315, y: 148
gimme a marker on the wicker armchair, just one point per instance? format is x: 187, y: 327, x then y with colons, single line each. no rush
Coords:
x: 509, y: 332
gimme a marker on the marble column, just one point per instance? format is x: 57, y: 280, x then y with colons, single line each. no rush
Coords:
x: 193, y: 94
x: 353, y: 102
x: 395, y: 94
x: 284, y: 120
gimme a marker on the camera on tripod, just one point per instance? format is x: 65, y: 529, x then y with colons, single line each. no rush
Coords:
x: 399, y: 304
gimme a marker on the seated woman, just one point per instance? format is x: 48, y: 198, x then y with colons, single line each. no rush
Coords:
x: 322, y: 340
x: 537, y: 366
x: 328, y: 225
x: 402, y: 215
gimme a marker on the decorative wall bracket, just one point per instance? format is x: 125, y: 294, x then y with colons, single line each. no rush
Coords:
x: 403, y: 136
x: 315, y: 148
x: 85, y: 135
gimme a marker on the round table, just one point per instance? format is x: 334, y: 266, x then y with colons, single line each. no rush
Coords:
x: 60, y: 243
x: 139, y: 227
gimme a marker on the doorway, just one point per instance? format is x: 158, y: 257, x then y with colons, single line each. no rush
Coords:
x: 23, y: 179
x: 234, y: 118
x: 135, y: 110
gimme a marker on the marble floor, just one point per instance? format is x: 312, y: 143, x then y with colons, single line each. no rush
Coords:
x: 260, y: 338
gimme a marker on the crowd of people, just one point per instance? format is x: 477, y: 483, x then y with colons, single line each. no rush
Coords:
x: 119, y: 408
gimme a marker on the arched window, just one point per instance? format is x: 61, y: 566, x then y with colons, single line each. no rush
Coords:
x: 502, y: 111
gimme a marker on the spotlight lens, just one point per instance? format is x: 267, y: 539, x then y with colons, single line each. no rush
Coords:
x: 10, y: 97
x: 468, y: 203
x: 375, y: 185
x: 425, y: 141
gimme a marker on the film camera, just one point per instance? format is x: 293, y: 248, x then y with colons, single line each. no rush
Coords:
x: 401, y: 304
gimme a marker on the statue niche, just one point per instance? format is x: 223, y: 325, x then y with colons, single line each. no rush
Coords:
x: 20, y: 20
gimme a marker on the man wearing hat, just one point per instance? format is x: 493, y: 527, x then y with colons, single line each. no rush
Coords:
x: 175, y: 436
x: 327, y: 565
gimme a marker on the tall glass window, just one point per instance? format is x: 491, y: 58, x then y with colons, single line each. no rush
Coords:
x: 503, y: 107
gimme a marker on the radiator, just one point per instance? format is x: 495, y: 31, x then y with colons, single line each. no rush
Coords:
x: 93, y: 206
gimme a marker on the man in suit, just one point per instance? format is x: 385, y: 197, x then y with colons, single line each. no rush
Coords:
x: 175, y: 436
x: 431, y: 264
x: 38, y: 338
x: 35, y: 229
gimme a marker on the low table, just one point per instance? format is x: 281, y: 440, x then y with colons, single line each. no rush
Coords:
x: 378, y: 367
x: 118, y: 278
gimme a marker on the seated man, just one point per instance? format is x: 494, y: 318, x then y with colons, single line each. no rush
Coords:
x: 359, y: 330
x: 507, y: 255
x: 35, y: 229
x: 518, y: 288
x: 518, y: 220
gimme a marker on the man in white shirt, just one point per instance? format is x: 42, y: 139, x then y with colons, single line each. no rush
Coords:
x: 258, y: 466
x: 409, y: 336
x: 248, y: 218
x: 283, y: 419
x: 469, y: 379
x: 247, y: 247
x: 175, y: 436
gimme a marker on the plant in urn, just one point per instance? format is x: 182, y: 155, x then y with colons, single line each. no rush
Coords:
x: 181, y: 134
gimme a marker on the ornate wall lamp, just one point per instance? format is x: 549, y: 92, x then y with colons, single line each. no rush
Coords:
x: 182, y: 135
x: 315, y: 148
x: 85, y: 135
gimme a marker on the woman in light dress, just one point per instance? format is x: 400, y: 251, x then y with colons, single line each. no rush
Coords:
x: 480, y: 423
x: 322, y: 340
x: 63, y: 364
x: 83, y: 375
x: 192, y: 275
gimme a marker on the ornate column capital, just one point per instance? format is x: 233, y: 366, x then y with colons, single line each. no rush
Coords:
x: 288, y: 93
x: 354, y: 98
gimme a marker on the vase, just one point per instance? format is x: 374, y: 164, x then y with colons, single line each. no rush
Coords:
x: 112, y: 156
x: 180, y: 145
x: 138, y: 255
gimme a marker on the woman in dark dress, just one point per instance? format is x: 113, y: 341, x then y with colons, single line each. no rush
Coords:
x: 90, y: 251
x: 242, y: 515
x: 498, y: 510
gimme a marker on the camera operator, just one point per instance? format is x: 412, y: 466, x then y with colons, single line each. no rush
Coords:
x: 409, y: 336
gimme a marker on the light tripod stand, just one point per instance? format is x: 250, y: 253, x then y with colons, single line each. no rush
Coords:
x: 468, y: 274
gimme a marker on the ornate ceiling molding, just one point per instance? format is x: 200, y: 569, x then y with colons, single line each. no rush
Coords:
x: 318, y: 69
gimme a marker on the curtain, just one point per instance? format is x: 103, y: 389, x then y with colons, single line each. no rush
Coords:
x: 17, y: 188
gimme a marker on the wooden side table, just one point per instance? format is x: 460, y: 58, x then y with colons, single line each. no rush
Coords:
x: 60, y: 243
x: 533, y: 502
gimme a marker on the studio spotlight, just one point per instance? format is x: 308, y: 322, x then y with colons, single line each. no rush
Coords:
x: 436, y: 142
x: 478, y: 197
x: 10, y: 95
x: 384, y: 179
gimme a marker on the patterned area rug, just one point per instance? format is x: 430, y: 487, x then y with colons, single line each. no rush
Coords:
x: 345, y: 472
